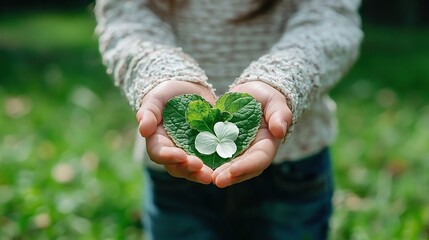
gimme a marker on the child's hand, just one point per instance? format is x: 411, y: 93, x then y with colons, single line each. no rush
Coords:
x: 159, y: 146
x: 277, y: 117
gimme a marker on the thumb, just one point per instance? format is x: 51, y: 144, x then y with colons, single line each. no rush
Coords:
x: 278, y: 116
x: 149, y: 116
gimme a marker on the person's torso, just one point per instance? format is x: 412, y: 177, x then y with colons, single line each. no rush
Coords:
x: 203, y: 28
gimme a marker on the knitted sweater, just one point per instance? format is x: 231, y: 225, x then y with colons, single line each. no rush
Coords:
x: 302, y: 48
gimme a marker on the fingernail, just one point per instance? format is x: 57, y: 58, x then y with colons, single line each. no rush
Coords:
x: 284, y: 127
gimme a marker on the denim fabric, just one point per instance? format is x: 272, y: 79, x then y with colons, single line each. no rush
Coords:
x: 291, y: 200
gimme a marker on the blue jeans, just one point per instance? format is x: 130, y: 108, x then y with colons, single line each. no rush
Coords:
x: 291, y: 200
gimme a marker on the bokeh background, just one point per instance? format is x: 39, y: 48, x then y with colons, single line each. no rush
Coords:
x: 67, y: 135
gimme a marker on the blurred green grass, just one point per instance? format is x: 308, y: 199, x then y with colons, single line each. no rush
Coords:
x: 66, y: 136
x: 382, y: 151
x: 66, y: 168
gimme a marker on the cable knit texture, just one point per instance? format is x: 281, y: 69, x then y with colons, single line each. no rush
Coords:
x: 302, y: 48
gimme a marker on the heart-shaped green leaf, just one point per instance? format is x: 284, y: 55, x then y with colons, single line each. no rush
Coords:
x: 185, y: 116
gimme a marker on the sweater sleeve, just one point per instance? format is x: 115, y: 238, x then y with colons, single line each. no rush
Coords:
x: 138, y: 49
x: 320, y: 43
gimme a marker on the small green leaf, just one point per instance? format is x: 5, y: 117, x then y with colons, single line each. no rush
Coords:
x: 200, y: 117
x: 226, y: 116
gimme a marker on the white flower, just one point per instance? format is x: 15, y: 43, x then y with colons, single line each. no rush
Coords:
x: 222, y: 143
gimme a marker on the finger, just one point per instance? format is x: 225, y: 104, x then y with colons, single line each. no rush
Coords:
x: 254, y: 161
x: 194, y: 164
x: 167, y: 155
x: 162, y: 150
x: 182, y: 170
x: 226, y: 179
x: 179, y: 170
x: 243, y: 169
x: 260, y: 135
x: 278, y: 116
x: 203, y: 176
x: 149, y: 115
x: 220, y: 169
x: 278, y: 124
x: 148, y: 122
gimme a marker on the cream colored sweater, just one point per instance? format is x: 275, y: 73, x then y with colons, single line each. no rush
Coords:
x: 302, y: 48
